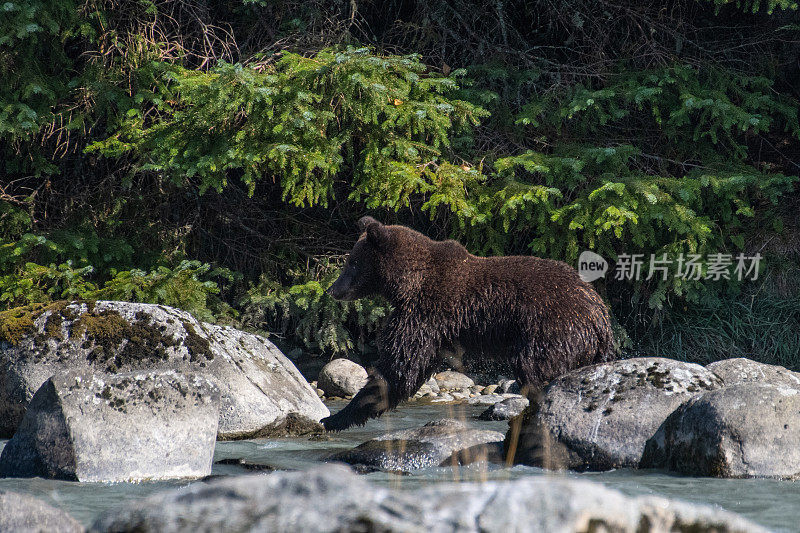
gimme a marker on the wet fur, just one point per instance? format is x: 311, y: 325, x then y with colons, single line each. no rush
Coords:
x: 537, y: 313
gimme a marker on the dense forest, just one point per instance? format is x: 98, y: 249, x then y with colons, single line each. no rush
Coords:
x: 214, y: 155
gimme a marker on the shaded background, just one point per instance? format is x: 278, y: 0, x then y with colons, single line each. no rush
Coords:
x: 215, y: 155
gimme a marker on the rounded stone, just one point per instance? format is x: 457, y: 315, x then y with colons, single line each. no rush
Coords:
x: 505, y: 410
x: 739, y: 370
x: 452, y: 380
x: 742, y: 431
x: 600, y: 417
x: 341, y: 377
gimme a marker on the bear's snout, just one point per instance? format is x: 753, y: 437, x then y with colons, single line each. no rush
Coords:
x: 340, y: 290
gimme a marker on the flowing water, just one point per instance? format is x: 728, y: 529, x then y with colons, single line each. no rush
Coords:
x: 771, y: 503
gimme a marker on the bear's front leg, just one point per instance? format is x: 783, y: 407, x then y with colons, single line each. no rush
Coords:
x: 370, y: 402
x: 405, y: 364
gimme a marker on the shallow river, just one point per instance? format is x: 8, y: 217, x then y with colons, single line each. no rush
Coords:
x: 771, y: 503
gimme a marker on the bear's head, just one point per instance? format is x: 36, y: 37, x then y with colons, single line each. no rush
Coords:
x: 360, y: 276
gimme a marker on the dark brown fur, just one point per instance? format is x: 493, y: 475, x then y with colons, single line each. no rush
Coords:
x: 536, y: 313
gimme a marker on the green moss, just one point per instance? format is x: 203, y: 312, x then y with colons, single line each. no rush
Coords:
x: 111, y: 340
x: 105, y: 325
x: 15, y: 324
x: 69, y: 313
x: 52, y: 327
x: 18, y: 323
x: 108, y: 331
x: 198, y: 346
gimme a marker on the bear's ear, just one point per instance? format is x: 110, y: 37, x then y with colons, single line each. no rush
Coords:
x: 378, y: 235
x: 363, y: 222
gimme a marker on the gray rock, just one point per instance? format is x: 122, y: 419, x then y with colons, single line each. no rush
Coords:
x: 508, y: 385
x: 126, y: 427
x: 600, y: 417
x: 505, y: 410
x: 486, y: 399
x: 452, y: 380
x: 740, y: 370
x: 748, y: 430
x: 423, y: 391
x: 428, y: 389
x: 433, y: 385
x: 262, y: 392
x: 430, y: 445
x: 341, y: 377
x: 332, y: 498
x: 443, y: 397
x: 25, y: 514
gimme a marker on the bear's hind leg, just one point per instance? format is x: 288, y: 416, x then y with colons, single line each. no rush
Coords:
x: 531, y: 369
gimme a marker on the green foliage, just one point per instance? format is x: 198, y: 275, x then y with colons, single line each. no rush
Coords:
x: 733, y: 327
x: 37, y: 74
x: 306, y: 313
x: 81, y: 247
x: 182, y: 287
x: 619, y: 209
x: 303, y: 121
x: 34, y: 283
x: 758, y: 5
x: 698, y: 111
x: 619, y: 198
x: 31, y: 59
x: 74, y: 265
x: 252, y: 135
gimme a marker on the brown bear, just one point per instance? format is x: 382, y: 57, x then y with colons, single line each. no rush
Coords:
x: 536, y: 313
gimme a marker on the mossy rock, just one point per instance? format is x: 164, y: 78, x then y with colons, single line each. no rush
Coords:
x: 113, y: 341
x: 600, y: 417
x: 263, y: 392
x: 18, y: 323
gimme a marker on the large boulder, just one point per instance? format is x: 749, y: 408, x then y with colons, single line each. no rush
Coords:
x: 600, y: 417
x: 440, y: 442
x: 262, y: 392
x: 341, y: 377
x: 452, y: 380
x: 332, y: 498
x: 740, y: 370
x: 125, y: 427
x: 21, y: 513
x: 748, y: 430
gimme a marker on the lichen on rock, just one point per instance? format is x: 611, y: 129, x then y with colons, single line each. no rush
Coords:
x: 263, y: 393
